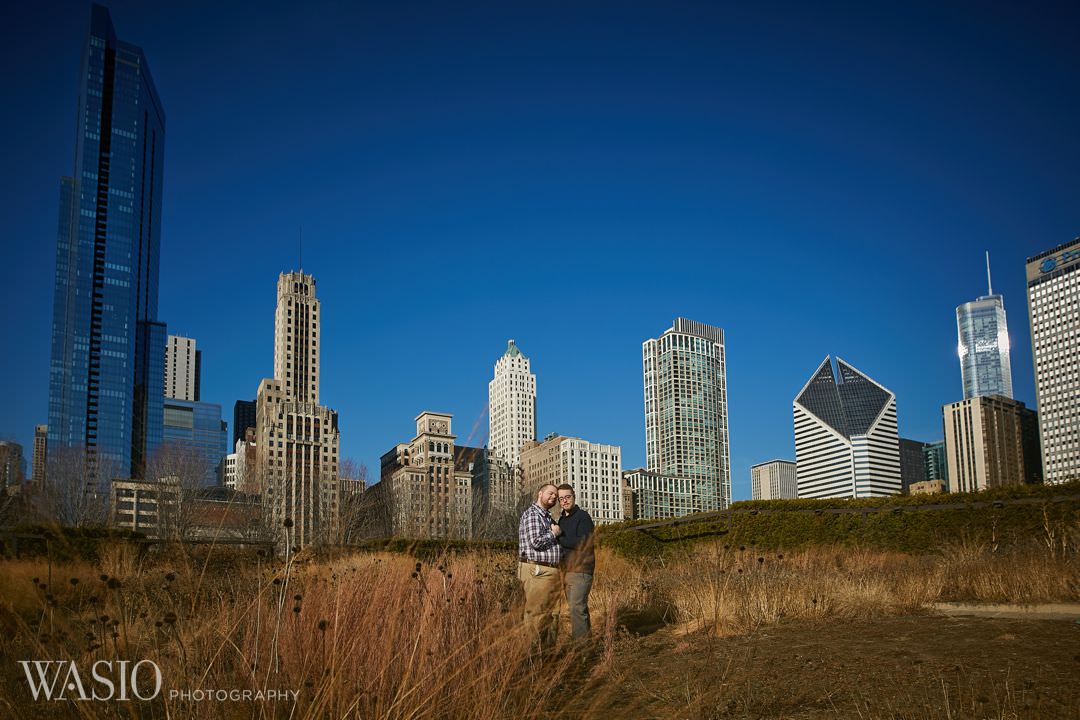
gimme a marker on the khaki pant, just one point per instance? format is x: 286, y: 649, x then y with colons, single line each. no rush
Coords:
x: 542, y: 586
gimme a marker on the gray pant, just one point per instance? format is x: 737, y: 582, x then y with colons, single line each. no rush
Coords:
x: 577, y: 586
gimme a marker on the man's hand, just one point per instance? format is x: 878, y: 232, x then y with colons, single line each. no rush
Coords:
x: 556, y: 530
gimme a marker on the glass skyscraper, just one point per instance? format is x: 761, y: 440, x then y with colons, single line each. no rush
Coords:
x: 106, y: 374
x: 686, y: 418
x: 197, y: 426
x: 983, y: 345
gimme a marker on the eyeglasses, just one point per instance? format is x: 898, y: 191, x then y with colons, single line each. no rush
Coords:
x: 565, y: 497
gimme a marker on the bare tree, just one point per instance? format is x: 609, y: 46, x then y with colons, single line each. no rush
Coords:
x: 353, y: 478
x: 76, y: 491
x: 179, y: 472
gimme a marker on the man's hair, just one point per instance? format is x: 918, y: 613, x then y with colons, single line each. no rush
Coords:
x: 566, y: 486
x: 544, y: 486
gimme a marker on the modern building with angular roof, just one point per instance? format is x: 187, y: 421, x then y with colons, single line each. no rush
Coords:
x: 846, y: 439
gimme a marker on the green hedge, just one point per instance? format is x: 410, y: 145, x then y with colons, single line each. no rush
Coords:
x: 777, y: 525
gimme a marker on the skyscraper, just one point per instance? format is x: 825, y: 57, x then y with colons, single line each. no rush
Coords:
x: 846, y: 441
x: 183, y: 369
x: 1053, y: 282
x: 983, y: 344
x: 686, y: 418
x: 297, y: 439
x: 511, y: 405
x: 107, y: 357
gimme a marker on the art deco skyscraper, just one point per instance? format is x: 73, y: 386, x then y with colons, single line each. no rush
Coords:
x: 511, y: 405
x: 686, y: 418
x: 983, y: 345
x: 297, y: 439
x: 1053, y: 281
x: 107, y: 358
x: 846, y: 441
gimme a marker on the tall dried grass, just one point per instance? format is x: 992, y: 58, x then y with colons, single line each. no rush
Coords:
x: 385, y: 636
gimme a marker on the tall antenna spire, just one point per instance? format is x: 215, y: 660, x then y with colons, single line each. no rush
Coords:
x: 300, y: 247
x: 989, y: 285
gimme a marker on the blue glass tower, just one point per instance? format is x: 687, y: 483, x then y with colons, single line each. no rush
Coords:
x: 983, y: 345
x: 106, y: 376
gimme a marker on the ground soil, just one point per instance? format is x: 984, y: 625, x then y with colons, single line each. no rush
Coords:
x: 928, y: 666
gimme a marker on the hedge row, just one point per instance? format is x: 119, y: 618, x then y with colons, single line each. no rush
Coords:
x: 915, y: 531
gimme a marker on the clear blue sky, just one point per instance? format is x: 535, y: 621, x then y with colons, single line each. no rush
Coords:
x: 813, y: 179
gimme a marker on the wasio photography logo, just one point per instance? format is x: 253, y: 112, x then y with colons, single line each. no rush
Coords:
x: 123, y: 680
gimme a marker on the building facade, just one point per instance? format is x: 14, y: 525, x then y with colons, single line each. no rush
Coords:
x: 686, y: 412
x: 429, y: 482
x: 296, y: 438
x: 989, y: 442
x: 12, y: 466
x: 594, y: 471
x: 846, y: 441
x: 774, y: 480
x: 648, y: 494
x: 511, y: 405
x: 983, y: 344
x: 183, y: 369
x: 41, y: 455
x: 1053, y: 287
x: 912, y: 463
x: 108, y: 348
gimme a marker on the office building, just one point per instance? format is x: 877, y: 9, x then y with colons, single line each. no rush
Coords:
x: 652, y: 495
x: 846, y: 442
x: 773, y: 480
x: 429, y: 482
x: 686, y: 416
x: 1053, y: 287
x: 183, y: 369
x: 989, y: 442
x: 983, y: 344
x: 194, y: 433
x: 106, y: 371
x: 296, y: 438
x: 912, y: 463
x: 594, y: 471
x: 511, y: 405
x: 243, y: 418
x: 41, y: 455
x: 935, y: 466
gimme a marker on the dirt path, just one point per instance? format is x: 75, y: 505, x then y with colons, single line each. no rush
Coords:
x: 894, y: 667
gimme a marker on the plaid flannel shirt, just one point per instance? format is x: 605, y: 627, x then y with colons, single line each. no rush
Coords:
x: 535, y: 540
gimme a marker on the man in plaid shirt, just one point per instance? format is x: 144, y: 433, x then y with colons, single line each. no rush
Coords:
x: 538, y: 567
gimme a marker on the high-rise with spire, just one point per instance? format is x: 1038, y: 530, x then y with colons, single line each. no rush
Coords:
x: 511, y: 405
x: 108, y: 348
x: 983, y: 344
x: 297, y: 439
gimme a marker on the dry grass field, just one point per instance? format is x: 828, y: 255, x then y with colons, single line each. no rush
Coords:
x: 719, y: 632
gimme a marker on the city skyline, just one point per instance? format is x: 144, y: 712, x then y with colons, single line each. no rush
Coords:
x: 755, y: 233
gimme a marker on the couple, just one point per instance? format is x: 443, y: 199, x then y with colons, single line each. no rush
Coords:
x: 555, y: 556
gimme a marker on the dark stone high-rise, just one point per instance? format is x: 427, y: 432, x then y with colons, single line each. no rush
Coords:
x: 106, y: 376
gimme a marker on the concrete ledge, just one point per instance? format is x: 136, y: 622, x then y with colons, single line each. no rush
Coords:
x: 1045, y: 611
